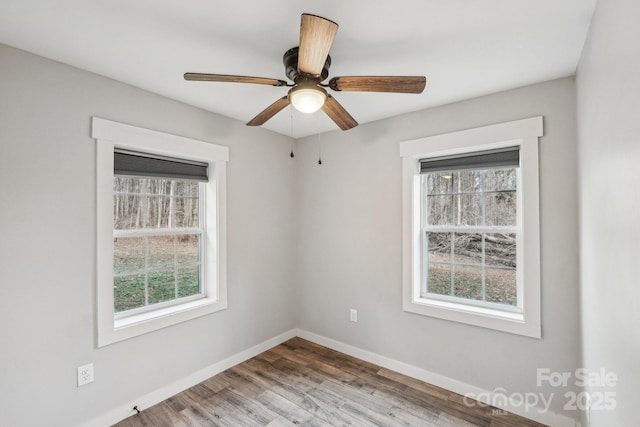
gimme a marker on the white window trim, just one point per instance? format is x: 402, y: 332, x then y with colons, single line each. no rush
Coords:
x: 108, y: 135
x: 523, y: 133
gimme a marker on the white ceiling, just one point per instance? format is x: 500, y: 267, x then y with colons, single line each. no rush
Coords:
x: 466, y: 48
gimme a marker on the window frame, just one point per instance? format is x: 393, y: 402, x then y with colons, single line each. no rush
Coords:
x: 109, y: 135
x: 522, y: 133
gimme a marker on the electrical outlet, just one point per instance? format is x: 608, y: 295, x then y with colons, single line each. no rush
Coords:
x: 85, y: 374
x: 354, y: 315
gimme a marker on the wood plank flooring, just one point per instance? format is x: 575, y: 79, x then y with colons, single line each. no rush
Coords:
x: 299, y: 383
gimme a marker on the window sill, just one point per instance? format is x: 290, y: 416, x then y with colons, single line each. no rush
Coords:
x: 159, y: 313
x: 132, y: 326
x: 506, y: 321
x: 471, y: 309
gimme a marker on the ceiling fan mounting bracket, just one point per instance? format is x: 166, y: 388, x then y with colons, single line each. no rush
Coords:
x: 290, y: 60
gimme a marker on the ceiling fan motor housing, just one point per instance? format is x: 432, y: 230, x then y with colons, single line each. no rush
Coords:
x: 290, y: 60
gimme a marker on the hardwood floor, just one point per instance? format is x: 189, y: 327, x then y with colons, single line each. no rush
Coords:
x: 305, y: 384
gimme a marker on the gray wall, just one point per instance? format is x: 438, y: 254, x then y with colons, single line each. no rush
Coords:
x: 608, y: 92
x: 47, y: 245
x: 350, y: 245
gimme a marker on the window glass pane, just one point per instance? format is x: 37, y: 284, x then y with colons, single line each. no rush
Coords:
x: 158, y: 212
x: 129, y: 203
x: 128, y: 292
x: 188, y: 281
x: 128, y: 254
x: 500, y: 250
x: 501, y: 208
x: 467, y: 181
x: 188, y: 247
x: 159, y: 186
x: 187, y: 212
x: 439, y: 279
x: 161, y: 251
x: 439, y: 247
x: 130, y: 184
x: 501, y: 286
x: 439, y: 210
x: 186, y: 188
x: 127, y: 212
x: 467, y: 248
x: 467, y: 282
x: 467, y: 209
x: 439, y: 182
x: 500, y: 179
x: 161, y: 286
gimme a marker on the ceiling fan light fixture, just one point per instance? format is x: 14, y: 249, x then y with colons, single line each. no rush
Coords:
x: 307, y: 98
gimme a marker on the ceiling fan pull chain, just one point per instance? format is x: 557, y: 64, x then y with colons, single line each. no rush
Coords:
x: 319, y: 141
x: 291, y: 112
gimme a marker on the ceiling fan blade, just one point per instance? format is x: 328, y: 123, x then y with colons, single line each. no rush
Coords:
x: 316, y: 38
x: 233, y: 79
x: 395, y: 84
x: 269, y: 112
x: 338, y: 114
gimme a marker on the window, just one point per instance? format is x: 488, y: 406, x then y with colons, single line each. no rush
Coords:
x: 161, y: 230
x: 470, y: 228
x: 471, y: 233
x: 157, y: 232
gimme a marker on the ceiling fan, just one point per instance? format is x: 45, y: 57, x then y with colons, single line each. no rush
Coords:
x: 308, y: 66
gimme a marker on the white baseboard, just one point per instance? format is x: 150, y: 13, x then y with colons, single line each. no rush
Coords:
x: 125, y: 410
x: 450, y: 384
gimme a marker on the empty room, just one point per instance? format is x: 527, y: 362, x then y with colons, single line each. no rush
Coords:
x: 319, y: 213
